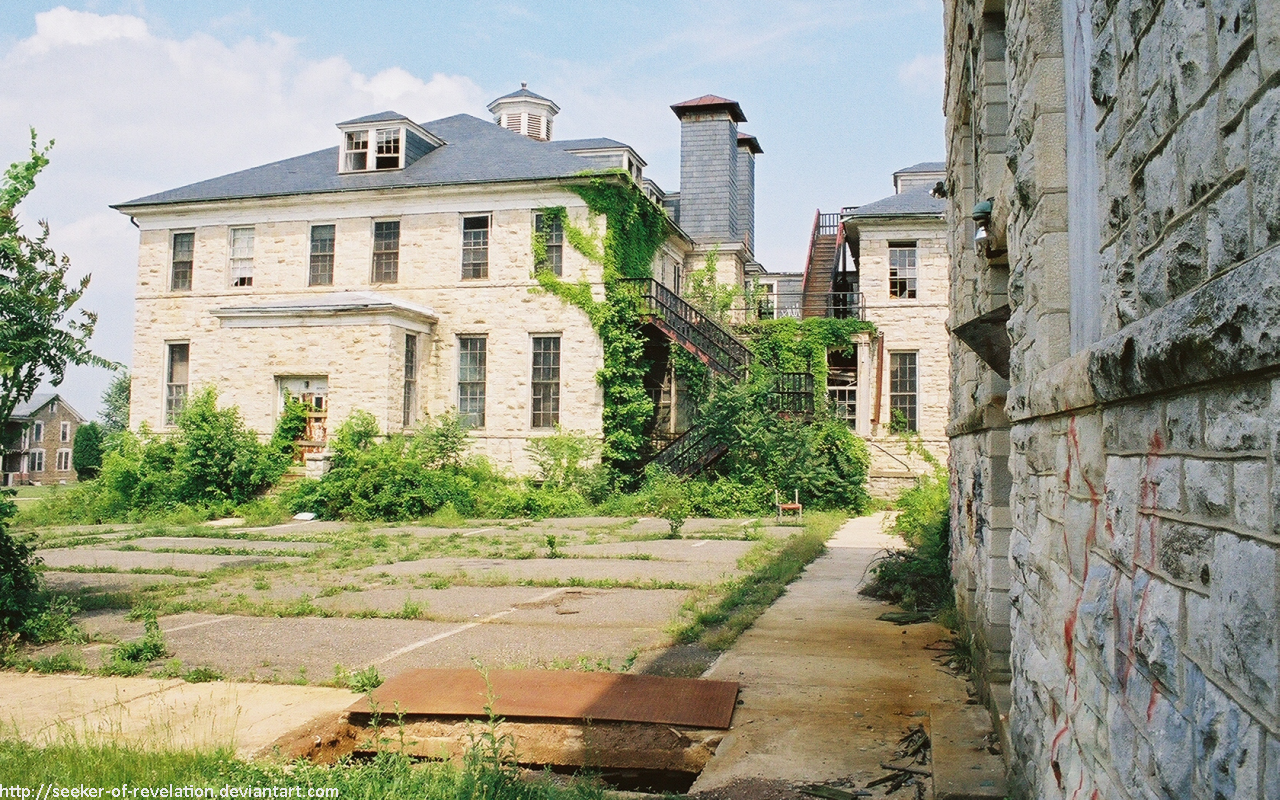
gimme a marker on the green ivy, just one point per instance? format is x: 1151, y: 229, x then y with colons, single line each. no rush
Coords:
x: 795, y: 345
x: 635, y: 229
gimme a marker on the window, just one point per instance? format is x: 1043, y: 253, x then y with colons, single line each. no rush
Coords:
x: 475, y: 247
x: 184, y: 245
x: 175, y: 386
x: 64, y: 433
x: 551, y: 229
x: 903, y: 417
x: 842, y: 385
x: 357, y: 151
x: 37, y: 432
x: 62, y: 461
x: 242, y: 256
x: 902, y: 270
x: 388, y: 149
x: 471, y: 380
x: 768, y: 304
x: 321, y: 272
x: 35, y: 461
x: 546, y: 381
x: 410, y: 378
x: 386, y: 252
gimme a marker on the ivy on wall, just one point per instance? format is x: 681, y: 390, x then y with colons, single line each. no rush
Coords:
x: 635, y: 229
x: 801, y: 345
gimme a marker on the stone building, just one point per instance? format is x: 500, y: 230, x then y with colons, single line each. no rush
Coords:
x: 885, y: 262
x: 1114, y: 183
x: 38, y: 442
x: 395, y: 272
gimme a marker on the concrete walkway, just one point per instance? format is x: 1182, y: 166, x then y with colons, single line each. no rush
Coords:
x: 158, y: 714
x: 827, y: 689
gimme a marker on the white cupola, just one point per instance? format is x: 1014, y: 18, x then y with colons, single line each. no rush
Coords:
x: 525, y: 113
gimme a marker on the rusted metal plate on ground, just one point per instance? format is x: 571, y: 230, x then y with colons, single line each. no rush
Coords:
x: 554, y: 695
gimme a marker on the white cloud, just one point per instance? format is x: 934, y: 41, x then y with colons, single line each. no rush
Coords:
x: 923, y: 74
x: 134, y: 112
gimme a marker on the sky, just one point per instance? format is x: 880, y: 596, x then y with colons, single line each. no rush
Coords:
x: 145, y: 96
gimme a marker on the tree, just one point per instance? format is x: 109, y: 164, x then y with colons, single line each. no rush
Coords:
x: 38, y: 337
x: 86, y: 453
x: 115, y: 404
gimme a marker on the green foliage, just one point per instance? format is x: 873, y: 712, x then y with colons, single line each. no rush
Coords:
x: 86, y: 455
x: 218, y: 459
x: 919, y: 578
x: 564, y: 459
x: 795, y: 345
x: 356, y: 434
x: 53, y: 622
x: 19, y: 579
x: 115, y: 403
x: 290, y: 428
x: 132, y: 657
x: 704, y: 290
x: 37, y: 338
x: 441, y: 442
x: 362, y: 682
x: 669, y: 498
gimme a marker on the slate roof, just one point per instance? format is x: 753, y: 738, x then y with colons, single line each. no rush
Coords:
x: 523, y: 92
x: 924, y: 166
x: 381, y: 116
x: 37, y: 402
x: 599, y: 143
x: 475, y: 151
x: 710, y: 102
x: 915, y: 201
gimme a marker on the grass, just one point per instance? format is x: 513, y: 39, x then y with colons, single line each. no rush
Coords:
x: 387, y: 775
x: 715, y: 619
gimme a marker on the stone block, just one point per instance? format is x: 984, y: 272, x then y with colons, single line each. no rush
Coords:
x: 1238, y: 86
x: 1232, y: 22
x: 1184, y: 33
x: 1227, y: 236
x: 1182, y: 255
x: 1155, y: 633
x: 1268, y: 42
x: 1132, y: 428
x: 1264, y: 158
x: 1161, y: 484
x: 1208, y: 488
x: 1199, y: 152
x: 1184, y: 422
x: 1271, y: 779
x: 1236, y: 418
x: 1227, y: 747
x: 1251, y: 496
x: 1185, y: 553
x: 1244, y: 603
x: 1170, y: 746
x: 1121, y: 496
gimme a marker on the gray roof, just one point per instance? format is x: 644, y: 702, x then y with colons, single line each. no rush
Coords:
x: 599, y: 143
x: 912, y: 202
x: 476, y: 151
x: 925, y: 166
x: 334, y: 302
x: 381, y: 116
x: 523, y: 92
x: 37, y: 402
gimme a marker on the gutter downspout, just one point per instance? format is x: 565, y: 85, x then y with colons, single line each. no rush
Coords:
x: 879, y: 378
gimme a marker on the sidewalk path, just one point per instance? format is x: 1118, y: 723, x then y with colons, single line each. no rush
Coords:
x: 249, y: 717
x: 827, y: 689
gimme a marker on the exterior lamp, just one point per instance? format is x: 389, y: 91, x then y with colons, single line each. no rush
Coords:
x: 982, y: 223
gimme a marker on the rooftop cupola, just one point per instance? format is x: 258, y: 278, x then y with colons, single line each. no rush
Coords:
x: 525, y: 113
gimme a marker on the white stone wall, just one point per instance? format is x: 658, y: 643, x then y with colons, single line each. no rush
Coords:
x: 364, y: 363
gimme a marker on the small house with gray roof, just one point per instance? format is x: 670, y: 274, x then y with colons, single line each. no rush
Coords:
x: 395, y: 273
x: 37, y: 442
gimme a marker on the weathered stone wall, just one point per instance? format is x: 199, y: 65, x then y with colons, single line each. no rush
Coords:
x: 364, y: 362
x: 1144, y: 582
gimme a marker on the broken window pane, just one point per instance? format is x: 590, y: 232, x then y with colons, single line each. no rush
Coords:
x: 357, y: 150
x: 902, y: 269
x: 472, y: 369
x: 176, y: 378
x: 546, y: 381
x: 388, y: 149
x: 475, y: 247
x: 552, y: 231
x: 321, y: 273
x: 386, y: 252
x: 184, y: 245
x: 242, y: 256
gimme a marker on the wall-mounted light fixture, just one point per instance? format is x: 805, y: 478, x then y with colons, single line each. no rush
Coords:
x: 982, y: 223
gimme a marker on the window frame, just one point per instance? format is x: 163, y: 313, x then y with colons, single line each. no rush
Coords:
x: 483, y: 269
x: 913, y: 419
x: 174, y: 402
x: 173, y: 262
x: 360, y: 136
x: 64, y: 431
x: 412, y: 362
x: 557, y: 263
x: 465, y: 398
x: 63, y: 454
x: 372, y: 149
x: 909, y: 288
x: 37, y: 431
x: 233, y: 280
x: 374, y: 267
x: 35, y: 460
x: 537, y: 414
x: 311, y: 252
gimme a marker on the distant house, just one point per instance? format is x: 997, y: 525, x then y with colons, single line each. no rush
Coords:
x: 37, y: 442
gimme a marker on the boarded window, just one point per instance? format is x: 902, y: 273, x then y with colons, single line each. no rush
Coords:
x: 902, y: 269
x: 475, y: 247
x: 184, y: 245
x: 551, y: 229
x: 321, y: 271
x: 176, y: 378
x: 357, y: 156
x: 410, y: 379
x: 472, y: 374
x: 386, y: 252
x: 903, y: 397
x: 242, y: 256
x: 546, y: 381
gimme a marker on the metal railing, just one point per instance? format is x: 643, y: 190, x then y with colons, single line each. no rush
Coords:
x: 836, y: 305
x: 792, y: 394
x: 710, y: 341
x: 828, y: 225
x: 695, y: 449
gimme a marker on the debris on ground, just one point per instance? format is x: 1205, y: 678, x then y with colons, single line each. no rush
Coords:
x: 905, y: 617
x: 910, y: 765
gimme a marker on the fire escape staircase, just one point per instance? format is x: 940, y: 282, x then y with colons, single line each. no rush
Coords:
x: 713, y: 345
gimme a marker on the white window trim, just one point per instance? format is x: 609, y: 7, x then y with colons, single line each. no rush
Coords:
x: 306, y: 273
x: 169, y: 262
x: 488, y: 246
x: 164, y: 382
x: 35, y: 455
x: 371, y: 133
x: 37, y: 432
x: 373, y: 235
x: 64, y: 432
x: 58, y: 459
x: 231, y: 254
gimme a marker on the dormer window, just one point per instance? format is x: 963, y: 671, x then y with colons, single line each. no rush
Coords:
x: 388, y: 149
x: 357, y: 151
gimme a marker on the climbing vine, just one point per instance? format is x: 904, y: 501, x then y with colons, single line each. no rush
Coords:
x: 801, y: 345
x: 635, y: 229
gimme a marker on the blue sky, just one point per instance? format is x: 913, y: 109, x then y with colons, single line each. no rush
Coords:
x: 145, y: 96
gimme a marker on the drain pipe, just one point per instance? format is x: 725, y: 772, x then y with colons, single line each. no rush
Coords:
x: 875, y: 420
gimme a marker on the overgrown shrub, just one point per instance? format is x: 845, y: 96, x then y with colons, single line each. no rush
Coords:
x: 19, y: 576
x: 86, y: 453
x: 919, y: 578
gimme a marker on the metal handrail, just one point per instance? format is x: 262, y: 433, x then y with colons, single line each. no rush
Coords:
x: 696, y: 448
x: 838, y: 305
x: 828, y: 224
x: 720, y: 348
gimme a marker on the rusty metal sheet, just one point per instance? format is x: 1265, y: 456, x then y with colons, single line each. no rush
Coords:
x: 555, y: 695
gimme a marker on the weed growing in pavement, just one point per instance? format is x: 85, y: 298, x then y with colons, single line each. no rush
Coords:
x: 919, y: 577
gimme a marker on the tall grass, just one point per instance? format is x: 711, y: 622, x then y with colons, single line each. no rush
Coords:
x: 919, y: 577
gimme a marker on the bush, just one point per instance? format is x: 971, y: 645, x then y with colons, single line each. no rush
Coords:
x: 86, y: 453
x: 919, y: 578
x: 19, y: 579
